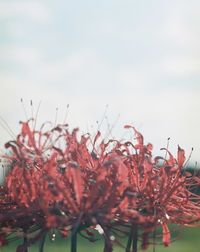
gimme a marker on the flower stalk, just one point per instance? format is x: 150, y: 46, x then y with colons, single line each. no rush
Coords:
x: 74, y: 242
x: 132, y: 242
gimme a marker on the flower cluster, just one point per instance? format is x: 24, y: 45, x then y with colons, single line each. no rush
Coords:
x: 61, y: 180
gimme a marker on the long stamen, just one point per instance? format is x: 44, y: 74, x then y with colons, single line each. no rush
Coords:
x: 7, y: 128
x: 66, y: 114
x: 36, y: 116
x: 24, y: 109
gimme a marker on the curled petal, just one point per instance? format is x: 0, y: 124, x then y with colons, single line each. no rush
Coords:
x: 181, y: 156
x: 166, y: 234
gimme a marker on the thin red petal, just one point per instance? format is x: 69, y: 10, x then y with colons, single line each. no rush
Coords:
x: 166, y: 234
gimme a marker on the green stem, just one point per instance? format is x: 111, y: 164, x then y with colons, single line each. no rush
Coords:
x: 25, y: 243
x: 135, y: 238
x: 74, y: 242
x: 129, y: 242
x: 41, y: 249
x: 74, y: 233
x: 132, y: 239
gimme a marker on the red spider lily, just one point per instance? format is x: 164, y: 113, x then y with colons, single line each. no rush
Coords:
x: 163, y: 190
x: 60, y: 180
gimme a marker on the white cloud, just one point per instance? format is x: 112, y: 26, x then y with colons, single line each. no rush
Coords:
x: 181, y: 27
x: 56, y: 70
x: 131, y: 77
x: 19, y: 55
x: 33, y: 10
x: 80, y: 68
x: 182, y: 66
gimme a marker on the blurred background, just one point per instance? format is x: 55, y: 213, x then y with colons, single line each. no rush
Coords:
x: 188, y: 241
x: 123, y: 62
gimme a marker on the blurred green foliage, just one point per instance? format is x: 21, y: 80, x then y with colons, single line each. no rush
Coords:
x: 188, y: 241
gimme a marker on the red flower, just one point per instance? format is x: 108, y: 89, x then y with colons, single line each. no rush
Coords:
x: 61, y: 180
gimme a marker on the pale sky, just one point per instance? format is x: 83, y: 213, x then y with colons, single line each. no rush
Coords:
x: 142, y: 58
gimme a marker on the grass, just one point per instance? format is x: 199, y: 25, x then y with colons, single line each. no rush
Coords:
x: 189, y: 241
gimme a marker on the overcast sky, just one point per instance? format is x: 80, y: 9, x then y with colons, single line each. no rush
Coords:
x: 142, y: 58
